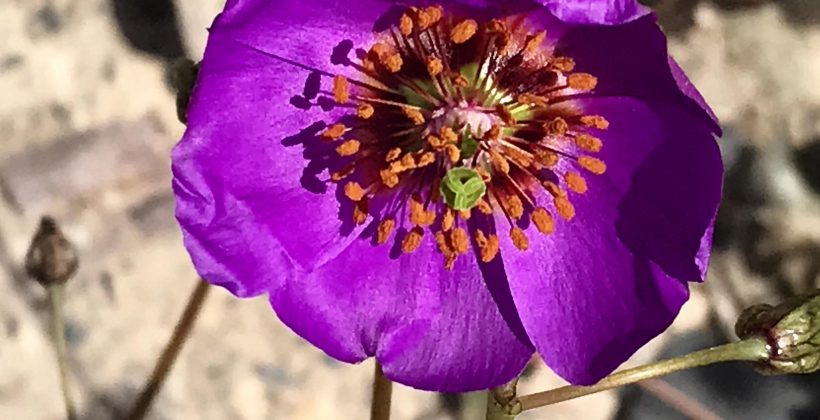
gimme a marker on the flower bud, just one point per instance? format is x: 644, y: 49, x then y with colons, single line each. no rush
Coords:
x: 792, y: 331
x: 51, y: 259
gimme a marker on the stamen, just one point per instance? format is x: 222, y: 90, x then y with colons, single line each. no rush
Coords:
x: 534, y: 42
x: 546, y: 158
x: 414, y: 115
x: 341, y: 89
x: 564, y: 64
x: 392, y: 62
x: 460, y: 240
x: 453, y: 153
x: 334, y: 132
x: 448, y: 135
x: 405, y: 25
x: 412, y: 240
x: 364, y: 111
x: 389, y: 178
x: 543, y: 220
x: 595, y: 121
x: 360, y: 212
x: 385, y: 229
x: 462, y: 32
x: 449, y: 220
x: 558, y: 127
x: 488, y: 245
x: 596, y: 166
x: 350, y: 147
x: 434, y: 66
x: 565, y: 209
x: 354, y: 191
x: 519, y: 239
x: 485, y: 207
x: 393, y: 154
x: 588, y: 143
x: 425, y: 159
x: 582, y: 81
x: 576, y: 182
x: 499, y: 163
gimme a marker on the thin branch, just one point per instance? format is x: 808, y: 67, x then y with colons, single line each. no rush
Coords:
x: 55, y: 301
x: 382, y: 395
x: 754, y: 349
x: 169, y: 355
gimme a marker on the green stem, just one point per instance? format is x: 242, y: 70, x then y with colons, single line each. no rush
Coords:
x: 382, y: 395
x: 55, y: 303
x: 754, y: 349
x: 169, y: 355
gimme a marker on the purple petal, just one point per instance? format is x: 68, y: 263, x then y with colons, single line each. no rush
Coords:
x: 603, y: 12
x: 430, y: 328
x: 632, y: 60
x: 615, y: 276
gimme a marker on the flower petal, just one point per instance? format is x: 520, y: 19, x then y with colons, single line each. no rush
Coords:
x: 430, y: 328
x: 632, y: 60
x: 604, y: 12
x: 615, y: 276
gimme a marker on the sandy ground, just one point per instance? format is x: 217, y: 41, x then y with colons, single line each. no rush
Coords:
x: 87, y: 120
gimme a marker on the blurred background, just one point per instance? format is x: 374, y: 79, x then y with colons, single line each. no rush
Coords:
x: 87, y: 119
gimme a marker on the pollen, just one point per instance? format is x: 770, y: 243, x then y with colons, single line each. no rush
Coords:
x: 434, y: 66
x: 360, y: 212
x: 389, y: 178
x: 564, y: 208
x: 595, y: 121
x: 484, y: 207
x: 434, y: 13
x: 576, y: 182
x: 425, y: 159
x: 515, y: 207
x: 564, y: 64
x: 448, y: 135
x: 349, y: 147
x: 354, y: 191
x: 594, y: 165
x: 393, y: 154
x: 435, y: 141
x: 588, y: 143
x: 460, y: 240
x: 557, y: 127
x: 488, y: 245
x: 461, y: 81
x: 406, y: 25
x: 543, y: 220
x: 546, y: 158
x: 392, y: 62
x: 462, y: 32
x: 365, y: 111
x: 453, y: 153
x: 334, y: 132
x: 418, y: 214
x: 414, y: 115
x: 384, y: 230
x: 412, y: 240
x: 499, y: 162
x: 519, y: 238
x: 534, y: 42
x: 448, y: 221
x: 341, y: 89
x: 582, y: 81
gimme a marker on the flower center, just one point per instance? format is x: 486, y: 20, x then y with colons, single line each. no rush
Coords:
x: 461, y: 119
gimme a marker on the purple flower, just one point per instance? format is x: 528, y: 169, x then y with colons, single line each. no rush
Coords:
x: 451, y: 188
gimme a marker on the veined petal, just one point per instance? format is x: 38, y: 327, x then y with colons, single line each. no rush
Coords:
x: 430, y: 328
x: 615, y: 276
x: 606, y: 12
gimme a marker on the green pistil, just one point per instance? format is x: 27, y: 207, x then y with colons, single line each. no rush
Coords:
x: 469, y: 145
x: 462, y: 188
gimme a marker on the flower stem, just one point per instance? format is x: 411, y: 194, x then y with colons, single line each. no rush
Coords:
x: 747, y: 350
x: 382, y: 395
x: 169, y: 355
x: 55, y: 301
